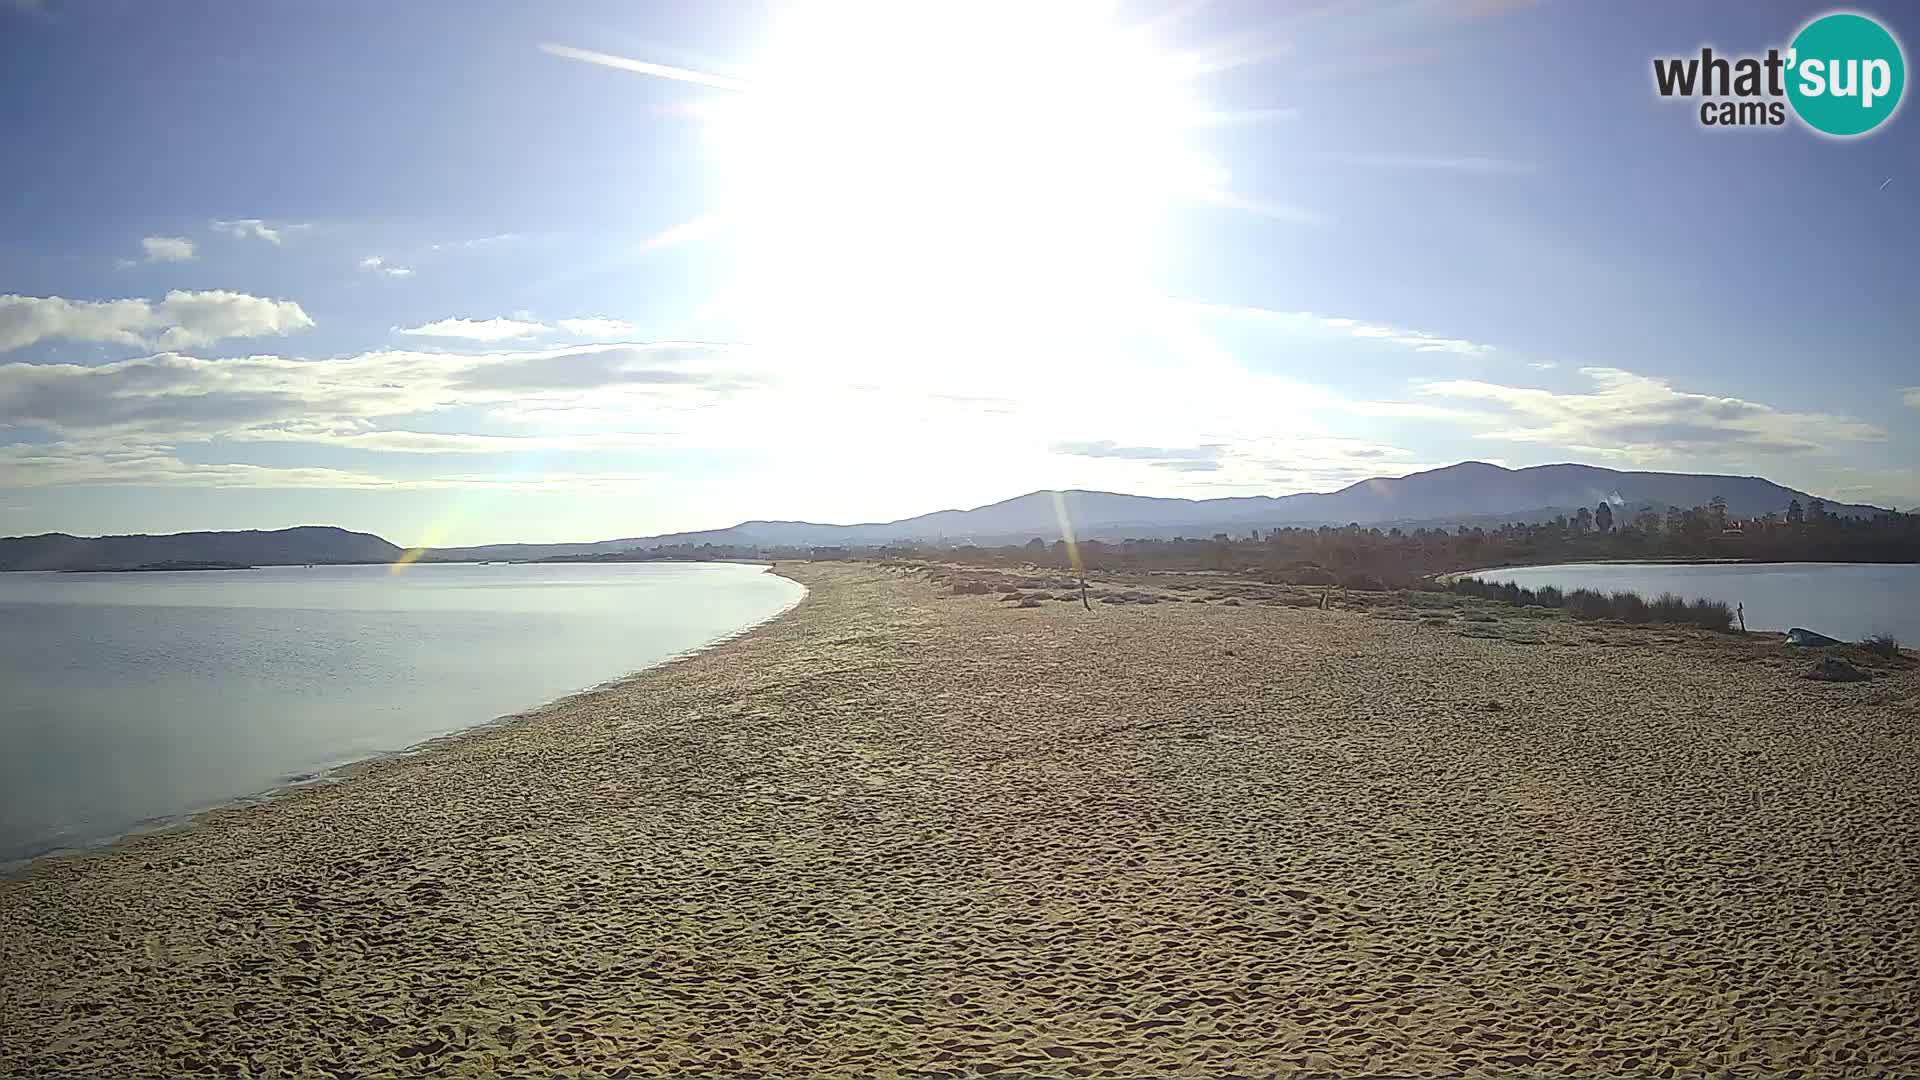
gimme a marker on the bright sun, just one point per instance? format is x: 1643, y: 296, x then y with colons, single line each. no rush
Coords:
x: 1006, y: 163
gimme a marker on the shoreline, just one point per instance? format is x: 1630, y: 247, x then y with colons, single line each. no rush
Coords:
x: 187, y: 820
x: 1666, y: 562
x: 897, y: 830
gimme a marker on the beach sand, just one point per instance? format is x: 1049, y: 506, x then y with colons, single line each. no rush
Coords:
x: 899, y: 832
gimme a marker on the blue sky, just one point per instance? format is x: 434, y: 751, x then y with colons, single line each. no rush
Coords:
x: 398, y: 268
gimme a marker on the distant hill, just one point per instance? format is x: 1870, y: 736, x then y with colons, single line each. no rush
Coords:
x: 1472, y: 491
x: 281, y: 547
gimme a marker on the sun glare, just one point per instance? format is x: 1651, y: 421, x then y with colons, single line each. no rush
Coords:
x: 885, y: 164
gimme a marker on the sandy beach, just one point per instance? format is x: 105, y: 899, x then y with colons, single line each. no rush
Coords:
x: 904, y: 832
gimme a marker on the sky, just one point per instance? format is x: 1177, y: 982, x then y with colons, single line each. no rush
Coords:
x: 472, y: 272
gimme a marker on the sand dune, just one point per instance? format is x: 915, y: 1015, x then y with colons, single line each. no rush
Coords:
x: 904, y: 833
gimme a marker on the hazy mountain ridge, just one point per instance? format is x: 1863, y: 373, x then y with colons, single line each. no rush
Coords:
x: 279, y: 547
x: 1470, y: 491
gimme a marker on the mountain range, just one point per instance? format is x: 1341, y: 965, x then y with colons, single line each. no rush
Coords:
x: 280, y: 547
x: 1470, y: 491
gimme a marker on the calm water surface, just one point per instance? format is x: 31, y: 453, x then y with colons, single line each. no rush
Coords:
x: 1844, y: 600
x: 134, y: 697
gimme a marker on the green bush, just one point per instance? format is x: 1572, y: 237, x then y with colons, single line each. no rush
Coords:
x: 1629, y: 607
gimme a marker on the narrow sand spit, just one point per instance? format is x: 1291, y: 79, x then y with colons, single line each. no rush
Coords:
x: 902, y: 833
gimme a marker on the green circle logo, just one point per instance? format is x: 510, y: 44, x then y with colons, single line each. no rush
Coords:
x: 1845, y: 74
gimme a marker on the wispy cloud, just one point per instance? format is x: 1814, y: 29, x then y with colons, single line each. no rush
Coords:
x: 379, y: 265
x: 174, y: 397
x: 395, y: 441
x: 1468, y: 163
x: 1178, y: 458
x: 1911, y: 395
x: 1262, y: 464
x: 1639, y: 416
x: 655, y: 364
x: 478, y: 242
x: 1266, y: 208
x: 475, y: 329
x: 67, y: 464
x: 642, y: 67
x: 181, y: 320
x: 1307, y: 321
x: 244, y: 228
x: 167, y: 248
x: 596, y: 327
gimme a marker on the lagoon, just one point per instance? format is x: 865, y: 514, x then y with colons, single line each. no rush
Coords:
x: 1850, y: 601
x: 134, y: 698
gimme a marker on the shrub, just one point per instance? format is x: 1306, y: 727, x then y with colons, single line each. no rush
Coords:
x: 1712, y: 614
x: 1630, y: 607
x: 1590, y: 604
x: 1668, y: 607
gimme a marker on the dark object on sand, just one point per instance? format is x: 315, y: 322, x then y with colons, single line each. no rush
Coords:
x: 1834, y: 670
x: 1808, y: 639
x: 1883, y: 645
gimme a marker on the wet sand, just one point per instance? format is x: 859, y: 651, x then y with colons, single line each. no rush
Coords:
x: 900, y: 832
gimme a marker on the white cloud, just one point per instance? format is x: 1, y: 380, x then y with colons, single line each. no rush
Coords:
x: 1204, y: 458
x: 170, y: 397
x: 167, y: 248
x: 145, y: 465
x: 478, y: 242
x: 181, y: 320
x: 1911, y: 395
x: 1307, y: 322
x: 126, y: 422
x: 379, y: 265
x: 597, y: 328
x: 1265, y: 464
x: 242, y: 228
x: 1448, y: 163
x: 62, y: 464
x: 475, y: 329
x: 1641, y: 417
x: 395, y: 441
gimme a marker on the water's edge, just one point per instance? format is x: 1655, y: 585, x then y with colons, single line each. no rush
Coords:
x: 347, y: 770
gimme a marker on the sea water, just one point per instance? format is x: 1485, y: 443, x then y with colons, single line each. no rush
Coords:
x: 1850, y: 601
x: 128, y: 699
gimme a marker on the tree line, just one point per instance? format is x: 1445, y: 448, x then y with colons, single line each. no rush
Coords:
x: 1370, y: 557
x: 1357, y: 556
